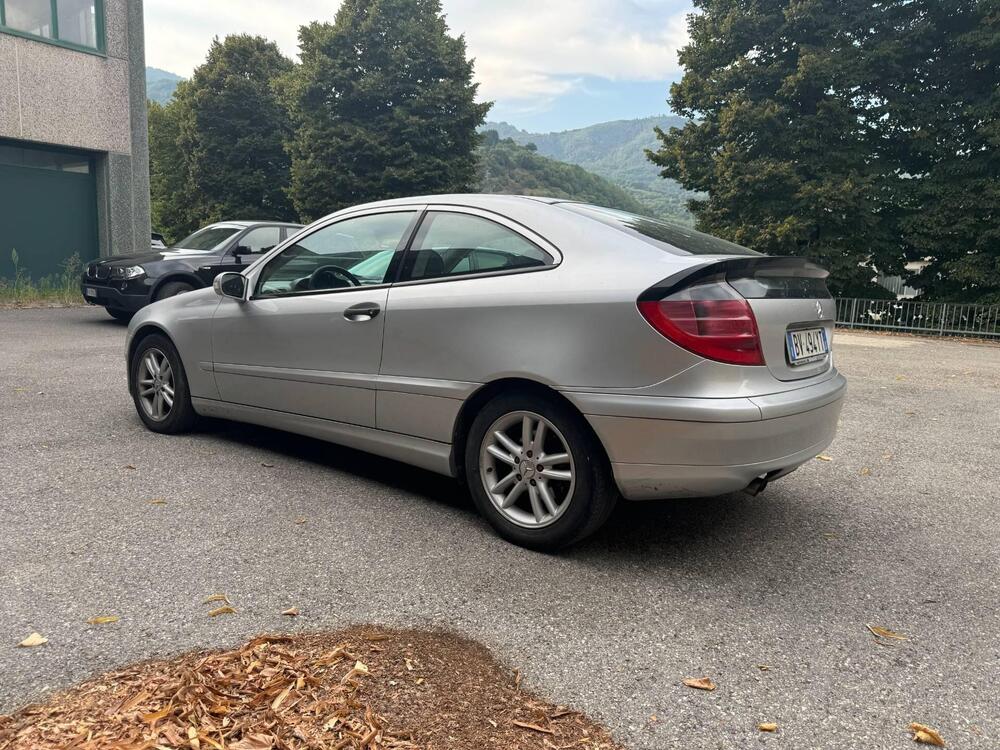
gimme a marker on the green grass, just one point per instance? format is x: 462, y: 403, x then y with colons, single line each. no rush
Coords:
x: 60, y: 289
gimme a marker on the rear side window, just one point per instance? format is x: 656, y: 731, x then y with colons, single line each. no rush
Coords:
x: 455, y: 244
x: 665, y: 235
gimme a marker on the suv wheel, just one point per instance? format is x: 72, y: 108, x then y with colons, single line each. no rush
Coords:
x: 159, y: 387
x: 172, y: 289
x: 123, y: 316
x: 537, y: 472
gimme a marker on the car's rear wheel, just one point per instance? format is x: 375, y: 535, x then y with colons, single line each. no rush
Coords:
x: 537, y: 472
x: 159, y: 386
x: 172, y: 289
x: 123, y: 316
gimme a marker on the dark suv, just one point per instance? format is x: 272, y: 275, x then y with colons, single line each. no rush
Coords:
x: 124, y: 284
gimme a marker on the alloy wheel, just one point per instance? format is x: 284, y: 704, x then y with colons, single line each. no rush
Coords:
x: 156, y: 385
x: 527, y: 469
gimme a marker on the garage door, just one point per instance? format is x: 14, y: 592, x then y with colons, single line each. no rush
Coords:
x: 48, y: 209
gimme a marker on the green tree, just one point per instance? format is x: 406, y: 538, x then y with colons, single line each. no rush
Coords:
x: 168, y: 181
x: 383, y: 106
x: 230, y: 135
x: 942, y: 105
x: 780, y: 141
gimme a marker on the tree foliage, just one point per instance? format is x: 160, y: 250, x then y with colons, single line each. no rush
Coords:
x: 851, y: 132
x: 383, y: 105
x: 506, y: 167
x: 217, y: 149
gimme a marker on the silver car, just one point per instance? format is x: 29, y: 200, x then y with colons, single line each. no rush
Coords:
x: 553, y: 355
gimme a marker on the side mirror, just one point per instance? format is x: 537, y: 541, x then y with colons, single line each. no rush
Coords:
x: 240, y: 251
x: 232, y: 285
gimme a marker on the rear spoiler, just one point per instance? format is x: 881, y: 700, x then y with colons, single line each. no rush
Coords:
x: 766, y: 277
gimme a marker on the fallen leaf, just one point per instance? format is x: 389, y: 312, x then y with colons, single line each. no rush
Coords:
x: 900, y: 377
x: 823, y: 458
x: 409, y: 665
x: 866, y: 471
x: 360, y: 667
x: 653, y: 719
x: 158, y: 501
x: 222, y: 611
x: 217, y: 598
x: 193, y: 740
x: 267, y: 466
x: 291, y: 612
x: 764, y: 667
x: 105, y: 620
x: 276, y: 703
x: 926, y: 735
x: 130, y: 467
x: 254, y: 742
x: 300, y: 520
x: 700, y: 683
x: 885, y: 633
x: 767, y: 727
x: 532, y: 727
x: 33, y: 640
x: 887, y: 456
x: 152, y: 718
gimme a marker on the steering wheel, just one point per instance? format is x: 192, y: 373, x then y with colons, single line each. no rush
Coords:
x: 327, y: 277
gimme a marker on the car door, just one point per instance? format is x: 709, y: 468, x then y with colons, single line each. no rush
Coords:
x: 308, y: 340
x: 242, y: 251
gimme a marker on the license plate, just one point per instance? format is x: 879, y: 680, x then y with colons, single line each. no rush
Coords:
x: 807, y: 345
x: 88, y: 291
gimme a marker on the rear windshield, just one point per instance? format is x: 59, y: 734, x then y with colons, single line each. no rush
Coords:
x: 669, y: 237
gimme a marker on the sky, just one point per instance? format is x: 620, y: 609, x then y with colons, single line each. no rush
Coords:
x: 547, y: 65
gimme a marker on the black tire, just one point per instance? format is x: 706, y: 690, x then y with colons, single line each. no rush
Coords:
x: 172, y: 289
x: 123, y: 316
x: 594, y: 494
x: 181, y: 416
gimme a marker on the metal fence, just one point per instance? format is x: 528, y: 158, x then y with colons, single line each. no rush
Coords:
x: 913, y: 316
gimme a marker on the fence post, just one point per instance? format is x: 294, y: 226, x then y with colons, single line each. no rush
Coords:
x: 944, y: 312
x: 854, y: 309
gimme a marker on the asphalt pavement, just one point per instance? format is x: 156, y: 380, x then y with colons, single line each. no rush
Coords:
x: 769, y: 596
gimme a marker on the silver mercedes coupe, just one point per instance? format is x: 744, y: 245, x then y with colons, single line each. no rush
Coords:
x: 553, y: 355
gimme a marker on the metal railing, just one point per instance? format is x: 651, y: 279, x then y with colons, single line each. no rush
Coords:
x: 927, y: 318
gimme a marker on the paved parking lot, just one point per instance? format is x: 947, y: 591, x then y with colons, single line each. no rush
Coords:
x: 901, y: 529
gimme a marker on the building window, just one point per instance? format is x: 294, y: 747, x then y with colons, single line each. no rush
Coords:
x: 34, y: 158
x: 72, y: 23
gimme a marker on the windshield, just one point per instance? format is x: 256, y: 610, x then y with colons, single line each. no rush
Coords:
x: 208, y: 238
x: 665, y: 235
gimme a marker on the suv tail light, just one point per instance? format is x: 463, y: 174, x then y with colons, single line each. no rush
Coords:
x: 710, y: 319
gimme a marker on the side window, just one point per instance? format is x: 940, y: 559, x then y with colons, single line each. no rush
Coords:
x: 351, y: 253
x: 451, y: 244
x: 260, y: 240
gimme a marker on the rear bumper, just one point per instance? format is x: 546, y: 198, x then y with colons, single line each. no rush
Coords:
x: 676, y: 447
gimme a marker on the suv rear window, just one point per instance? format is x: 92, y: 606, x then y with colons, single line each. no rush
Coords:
x: 665, y: 235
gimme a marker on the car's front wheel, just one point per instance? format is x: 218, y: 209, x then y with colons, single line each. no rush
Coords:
x: 537, y: 472
x: 159, y: 386
x: 123, y: 316
x: 172, y: 289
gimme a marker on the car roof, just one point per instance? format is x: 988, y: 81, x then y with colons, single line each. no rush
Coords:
x: 245, y: 223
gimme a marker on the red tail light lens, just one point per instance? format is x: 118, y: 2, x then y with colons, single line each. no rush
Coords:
x: 711, y: 320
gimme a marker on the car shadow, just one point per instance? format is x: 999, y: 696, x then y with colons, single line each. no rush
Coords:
x: 653, y: 533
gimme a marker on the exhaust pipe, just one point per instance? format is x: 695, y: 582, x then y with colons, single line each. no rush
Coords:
x: 757, y: 486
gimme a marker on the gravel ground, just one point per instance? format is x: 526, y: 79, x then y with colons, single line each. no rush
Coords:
x: 900, y: 529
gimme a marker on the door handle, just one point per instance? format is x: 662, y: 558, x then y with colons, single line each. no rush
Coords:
x: 363, y: 312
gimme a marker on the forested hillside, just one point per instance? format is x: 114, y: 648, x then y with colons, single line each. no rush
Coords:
x: 507, y: 167
x: 616, y: 151
x: 160, y: 85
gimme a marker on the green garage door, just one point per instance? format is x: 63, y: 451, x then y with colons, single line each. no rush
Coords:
x: 48, y: 209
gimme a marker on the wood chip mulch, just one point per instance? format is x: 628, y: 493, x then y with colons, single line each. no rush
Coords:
x: 369, y: 688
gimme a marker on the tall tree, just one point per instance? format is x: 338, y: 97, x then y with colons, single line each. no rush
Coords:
x: 231, y: 133
x: 780, y: 141
x: 383, y: 106
x: 942, y: 103
x: 168, y: 178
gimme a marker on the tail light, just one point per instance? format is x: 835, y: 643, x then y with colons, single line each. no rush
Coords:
x: 710, y: 319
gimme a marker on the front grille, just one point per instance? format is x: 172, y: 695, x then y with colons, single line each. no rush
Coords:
x: 96, y: 271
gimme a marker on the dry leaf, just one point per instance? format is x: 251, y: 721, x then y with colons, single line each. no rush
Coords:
x: 533, y: 727
x: 222, y: 611
x: 885, y: 633
x: 926, y: 735
x: 700, y: 683
x: 158, y: 501
x: 300, y: 520
x: 130, y: 467
x: 866, y: 472
x: 291, y: 612
x: 254, y: 742
x: 32, y: 641
x: 193, y: 740
x: 764, y: 667
x: 106, y: 620
x: 276, y: 703
x: 217, y: 598
x: 360, y: 667
x: 768, y: 727
x: 824, y: 458
x: 267, y: 466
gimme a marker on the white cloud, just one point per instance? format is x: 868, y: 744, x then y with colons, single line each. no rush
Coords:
x: 530, y: 51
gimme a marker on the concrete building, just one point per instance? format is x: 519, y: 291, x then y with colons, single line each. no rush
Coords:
x: 74, y: 152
